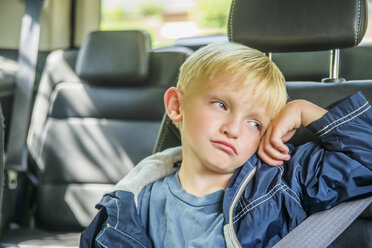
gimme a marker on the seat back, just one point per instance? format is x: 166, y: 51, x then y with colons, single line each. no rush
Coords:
x: 355, y: 64
x: 96, y: 114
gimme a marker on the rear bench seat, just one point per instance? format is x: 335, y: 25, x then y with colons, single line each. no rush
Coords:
x: 96, y: 115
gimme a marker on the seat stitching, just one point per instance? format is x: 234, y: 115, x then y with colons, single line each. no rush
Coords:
x: 162, y: 136
x: 358, y: 25
x: 231, y: 15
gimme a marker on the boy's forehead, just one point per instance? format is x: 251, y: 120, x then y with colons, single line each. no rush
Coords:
x: 230, y: 83
x: 226, y: 81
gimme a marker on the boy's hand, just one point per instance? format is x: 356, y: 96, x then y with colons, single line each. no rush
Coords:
x: 272, y: 149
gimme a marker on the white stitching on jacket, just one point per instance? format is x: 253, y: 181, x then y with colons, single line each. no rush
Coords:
x: 252, y: 205
x: 250, y: 165
x: 101, y: 245
x: 118, y: 213
x: 247, y: 210
x: 345, y: 121
x: 240, y: 203
x: 99, y: 235
x: 129, y: 236
x: 298, y: 198
x: 330, y: 124
x: 286, y: 188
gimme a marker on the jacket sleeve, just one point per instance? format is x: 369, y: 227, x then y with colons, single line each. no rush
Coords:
x: 117, y: 224
x: 88, y: 236
x: 340, y: 168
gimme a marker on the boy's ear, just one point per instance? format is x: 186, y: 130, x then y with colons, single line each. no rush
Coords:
x: 172, y: 102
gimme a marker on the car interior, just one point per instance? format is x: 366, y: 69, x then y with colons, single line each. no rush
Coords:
x: 98, y: 106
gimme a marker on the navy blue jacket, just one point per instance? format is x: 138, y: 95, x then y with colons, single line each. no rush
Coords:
x: 261, y: 203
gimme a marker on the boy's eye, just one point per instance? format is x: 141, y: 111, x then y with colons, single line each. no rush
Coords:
x: 219, y: 104
x: 255, y: 124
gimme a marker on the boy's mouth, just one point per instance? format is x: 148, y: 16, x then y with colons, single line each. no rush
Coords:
x: 226, y: 146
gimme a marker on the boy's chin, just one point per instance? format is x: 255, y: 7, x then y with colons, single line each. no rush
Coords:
x: 226, y: 165
x: 224, y: 169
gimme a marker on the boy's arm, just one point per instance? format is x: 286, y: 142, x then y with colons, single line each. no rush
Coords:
x: 117, y: 224
x: 340, y: 168
x: 295, y: 114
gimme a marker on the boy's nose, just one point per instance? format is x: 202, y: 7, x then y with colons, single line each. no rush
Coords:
x: 231, y: 128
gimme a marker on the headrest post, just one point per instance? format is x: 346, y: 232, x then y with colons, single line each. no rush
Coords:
x: 334, y: 64
x: 270, y: 55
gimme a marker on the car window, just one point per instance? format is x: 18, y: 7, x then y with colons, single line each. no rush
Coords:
x: 167, y: 20
x: 368, y: 36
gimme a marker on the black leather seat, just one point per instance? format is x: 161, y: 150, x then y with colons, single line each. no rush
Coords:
x: 91, y: 125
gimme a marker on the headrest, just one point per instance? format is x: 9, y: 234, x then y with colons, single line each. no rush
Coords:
x: 297, y: 25
x: 113, y: 58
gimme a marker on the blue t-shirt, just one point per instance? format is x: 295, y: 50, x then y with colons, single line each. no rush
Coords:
x: 174, y: 218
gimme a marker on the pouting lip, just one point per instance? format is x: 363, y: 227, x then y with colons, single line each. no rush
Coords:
x: 226, y: 146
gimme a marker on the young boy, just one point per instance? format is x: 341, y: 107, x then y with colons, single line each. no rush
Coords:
x: 230, y: 101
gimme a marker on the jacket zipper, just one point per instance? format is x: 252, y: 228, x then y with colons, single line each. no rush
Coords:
x: 235, y: 202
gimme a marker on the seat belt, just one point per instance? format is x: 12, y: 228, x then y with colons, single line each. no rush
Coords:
x: 321, y: 229
x: 16, y: 156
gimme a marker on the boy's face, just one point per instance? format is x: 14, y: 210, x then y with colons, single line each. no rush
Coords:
x: 221, y: 126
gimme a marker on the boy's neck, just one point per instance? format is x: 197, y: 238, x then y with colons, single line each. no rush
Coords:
x: 201, y: 182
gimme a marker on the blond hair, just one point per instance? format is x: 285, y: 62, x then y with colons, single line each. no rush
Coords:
x: 252, y: 67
